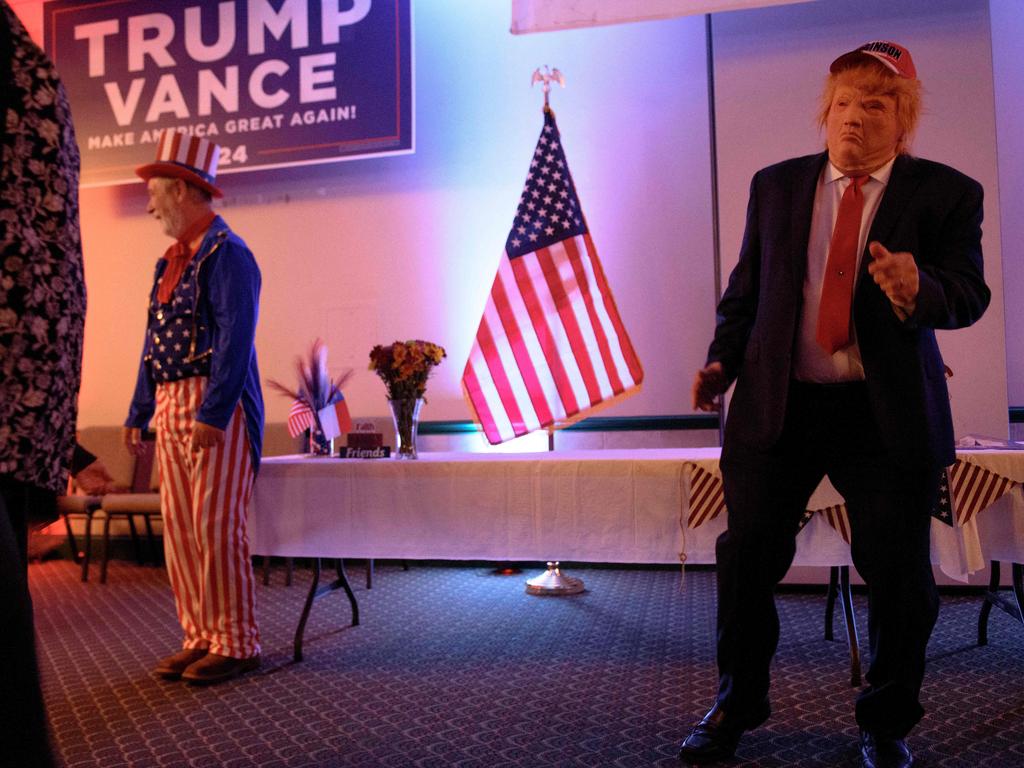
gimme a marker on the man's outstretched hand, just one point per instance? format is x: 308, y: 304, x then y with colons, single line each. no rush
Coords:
x: 708, y: 384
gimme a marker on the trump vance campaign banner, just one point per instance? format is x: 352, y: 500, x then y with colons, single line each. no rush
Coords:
x: 274, y: 82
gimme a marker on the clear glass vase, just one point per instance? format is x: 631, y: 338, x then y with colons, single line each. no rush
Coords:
x: 319, y: 445
x: 405, y: 413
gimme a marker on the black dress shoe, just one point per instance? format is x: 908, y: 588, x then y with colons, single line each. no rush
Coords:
x: 715, y: 737
x: 881, y: 752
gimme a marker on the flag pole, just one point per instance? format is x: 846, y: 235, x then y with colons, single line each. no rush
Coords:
x: 716, y: 237
x: 552, y: 581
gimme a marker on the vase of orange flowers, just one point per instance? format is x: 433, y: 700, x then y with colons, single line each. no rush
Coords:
x: 404, y: 367
x: 405, y: 414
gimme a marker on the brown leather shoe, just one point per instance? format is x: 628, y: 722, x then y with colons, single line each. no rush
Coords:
x: 172, y: 667
x: 214, y: 668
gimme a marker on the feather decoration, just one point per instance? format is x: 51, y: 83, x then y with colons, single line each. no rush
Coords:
x: 316, y: 388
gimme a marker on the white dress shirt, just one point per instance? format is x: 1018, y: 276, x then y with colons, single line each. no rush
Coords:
x: 811, y: 362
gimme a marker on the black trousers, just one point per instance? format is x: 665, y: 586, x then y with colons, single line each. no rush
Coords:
x: 829, y: 430
x: 24, y: 740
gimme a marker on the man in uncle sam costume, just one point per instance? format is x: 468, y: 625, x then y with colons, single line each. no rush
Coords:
x: 851, y: 258
x: 199, y: 383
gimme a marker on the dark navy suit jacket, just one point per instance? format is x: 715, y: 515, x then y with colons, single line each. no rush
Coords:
x: 928, y: 209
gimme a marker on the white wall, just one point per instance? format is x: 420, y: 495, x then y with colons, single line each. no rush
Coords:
x: 1008, y: 66
x: 770, y: 66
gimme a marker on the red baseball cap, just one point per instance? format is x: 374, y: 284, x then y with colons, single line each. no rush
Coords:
x: 893, y: 55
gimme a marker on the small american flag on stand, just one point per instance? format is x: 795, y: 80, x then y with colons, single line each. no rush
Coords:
x: 300, y: 418
x: 551, y: 346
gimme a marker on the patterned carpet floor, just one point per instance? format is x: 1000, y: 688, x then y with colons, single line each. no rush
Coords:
x: 455, y: 666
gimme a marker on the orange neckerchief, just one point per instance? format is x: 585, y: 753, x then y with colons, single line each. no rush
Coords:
x: 178, y: 257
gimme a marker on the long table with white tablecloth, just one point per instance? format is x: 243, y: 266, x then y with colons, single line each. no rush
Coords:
x: 609, y: 506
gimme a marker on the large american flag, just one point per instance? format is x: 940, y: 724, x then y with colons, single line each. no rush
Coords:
x: 551, y: 346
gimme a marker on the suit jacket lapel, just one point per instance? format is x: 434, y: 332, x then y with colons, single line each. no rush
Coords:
x: 903, y: 183
x: 801, y: 207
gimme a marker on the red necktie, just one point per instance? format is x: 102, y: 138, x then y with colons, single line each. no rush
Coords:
x: 178, y: 257
x: 840, y: 270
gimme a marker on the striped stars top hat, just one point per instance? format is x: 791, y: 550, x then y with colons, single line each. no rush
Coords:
x: 180, y: 156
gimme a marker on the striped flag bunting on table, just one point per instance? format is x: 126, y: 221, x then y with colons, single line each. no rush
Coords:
x: 707, y: 501
x: 838, y: 518
x: 551, y: 347
x: 707, y: 496
x: 974, y: 488
x: 805, y: 518
x: 943, y: 511
x: 964, y: 490
x: 335, y: 419
x: 300, y: 418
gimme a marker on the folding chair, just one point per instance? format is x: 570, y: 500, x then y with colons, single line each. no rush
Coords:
x: 141, y: 502
x: 86, y: 506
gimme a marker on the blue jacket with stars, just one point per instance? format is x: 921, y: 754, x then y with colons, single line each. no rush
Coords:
x: 208, y: 329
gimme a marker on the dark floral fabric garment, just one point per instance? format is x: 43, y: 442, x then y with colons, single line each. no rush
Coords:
x: 42, y: 289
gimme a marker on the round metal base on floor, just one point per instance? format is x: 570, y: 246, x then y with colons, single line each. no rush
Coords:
x: 554, y: 582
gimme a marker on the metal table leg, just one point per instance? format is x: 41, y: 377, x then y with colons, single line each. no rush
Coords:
x: 830, y: 600
x: 839, y: 585
x: 316, y: 592
x: 851, y: 625
x: 1018, y: 589
x: 1014, y: 607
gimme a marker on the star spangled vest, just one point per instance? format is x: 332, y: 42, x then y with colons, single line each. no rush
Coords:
x: 178, y: 335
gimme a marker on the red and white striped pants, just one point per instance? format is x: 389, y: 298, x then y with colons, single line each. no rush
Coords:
x: 204, y: 499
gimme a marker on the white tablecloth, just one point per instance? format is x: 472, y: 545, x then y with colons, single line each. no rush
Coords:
x: 615, y: 506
